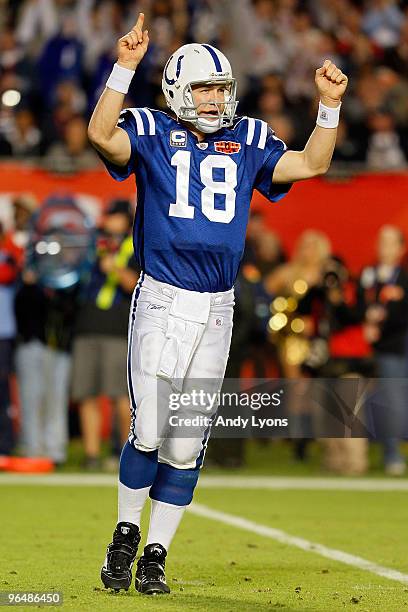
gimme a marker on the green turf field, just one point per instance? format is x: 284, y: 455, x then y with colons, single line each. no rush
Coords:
x: 54, y: 538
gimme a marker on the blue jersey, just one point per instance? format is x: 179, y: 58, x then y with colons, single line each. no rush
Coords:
x: 193, y: 197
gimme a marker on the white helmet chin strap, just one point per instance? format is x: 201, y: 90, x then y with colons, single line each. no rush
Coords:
x: 207, y: 126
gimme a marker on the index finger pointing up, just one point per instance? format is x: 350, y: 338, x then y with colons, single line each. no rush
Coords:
x: 139, y: 23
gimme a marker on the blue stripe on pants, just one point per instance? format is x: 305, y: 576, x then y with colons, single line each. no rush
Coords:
x: 129, y: 360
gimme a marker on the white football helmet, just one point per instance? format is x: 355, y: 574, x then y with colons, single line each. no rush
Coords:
x: 199, y: 64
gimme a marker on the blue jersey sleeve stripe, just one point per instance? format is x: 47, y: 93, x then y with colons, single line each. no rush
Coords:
x: 151, y: 120
x: 214, y: 55
x: 263, y: 135
x: 251, y: 130
x: 139, y: 121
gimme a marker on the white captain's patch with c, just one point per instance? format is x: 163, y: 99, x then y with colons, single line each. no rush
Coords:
x: 178, y: 138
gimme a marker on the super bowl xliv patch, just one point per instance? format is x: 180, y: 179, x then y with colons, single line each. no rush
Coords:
x: 227, y: 146
x: 178, y: 138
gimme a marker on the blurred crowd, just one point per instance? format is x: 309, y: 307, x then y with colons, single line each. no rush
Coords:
x: 65, y: 289
x: 56, y: 55
x: 65, y: 292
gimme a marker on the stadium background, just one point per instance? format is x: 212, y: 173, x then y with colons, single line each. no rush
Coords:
x: 55, y: 56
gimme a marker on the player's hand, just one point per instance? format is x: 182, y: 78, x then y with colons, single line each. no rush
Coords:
x: 132, y: 47
x: 331, y: 83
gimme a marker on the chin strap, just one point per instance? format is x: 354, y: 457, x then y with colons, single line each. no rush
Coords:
x: 208, y: 127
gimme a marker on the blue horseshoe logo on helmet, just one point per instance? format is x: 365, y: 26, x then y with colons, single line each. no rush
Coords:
x: 178, y: 70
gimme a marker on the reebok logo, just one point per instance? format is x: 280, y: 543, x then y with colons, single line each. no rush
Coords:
x: 155, y: 307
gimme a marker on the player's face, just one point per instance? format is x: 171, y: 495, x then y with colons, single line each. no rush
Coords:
x: 209, y: 100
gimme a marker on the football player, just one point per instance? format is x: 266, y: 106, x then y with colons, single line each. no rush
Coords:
x: 196, y: 168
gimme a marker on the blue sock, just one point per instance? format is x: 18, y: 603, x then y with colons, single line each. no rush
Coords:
x: 174, y: 486
x: 137, y: 469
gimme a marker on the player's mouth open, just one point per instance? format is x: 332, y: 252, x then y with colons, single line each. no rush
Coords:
x: 213, y: 114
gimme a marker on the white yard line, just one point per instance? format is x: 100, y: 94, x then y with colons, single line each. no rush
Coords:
x: 220, y: 482
x: 284, y: 538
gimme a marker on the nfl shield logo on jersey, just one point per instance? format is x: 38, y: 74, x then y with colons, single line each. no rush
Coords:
x: 226, y: 146
x: 178, y: 138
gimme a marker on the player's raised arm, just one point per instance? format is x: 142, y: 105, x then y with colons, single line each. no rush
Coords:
x: 110, y: 140
x: 316, y: 156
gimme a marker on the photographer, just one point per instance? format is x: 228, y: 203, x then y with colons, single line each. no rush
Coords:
x: 349, y: 358
x: 295, y: 327
x: 349, y: 351
x: 100, y: 346
x: 45, y: 307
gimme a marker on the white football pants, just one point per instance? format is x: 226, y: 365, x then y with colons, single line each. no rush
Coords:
x: 178, y: 339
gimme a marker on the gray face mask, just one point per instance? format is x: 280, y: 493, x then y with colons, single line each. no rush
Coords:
x: 225, y: 116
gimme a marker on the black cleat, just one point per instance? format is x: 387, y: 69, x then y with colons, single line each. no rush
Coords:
x: 116, y: 572
x: 150, y: 576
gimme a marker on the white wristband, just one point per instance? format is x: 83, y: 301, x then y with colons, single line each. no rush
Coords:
x: 328, y: 117
x: 120, y: 79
